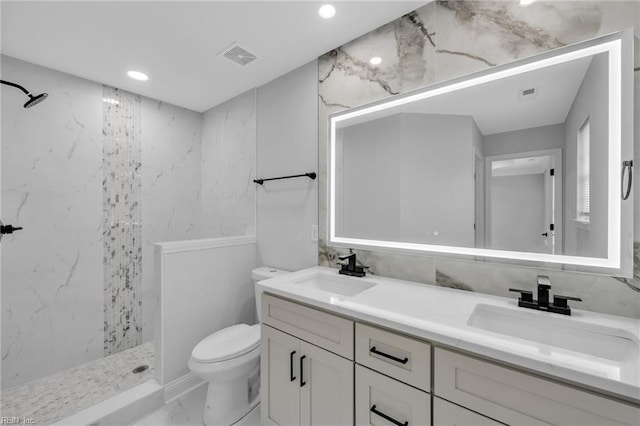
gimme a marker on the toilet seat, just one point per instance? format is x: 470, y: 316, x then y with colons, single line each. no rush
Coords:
x: 228, y: 343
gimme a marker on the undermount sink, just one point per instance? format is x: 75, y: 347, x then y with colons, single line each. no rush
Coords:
x: 335, y: 284
x: 565, y: 333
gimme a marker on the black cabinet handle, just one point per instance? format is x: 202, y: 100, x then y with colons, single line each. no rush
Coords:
x: 291, y: 376
x: 377, y: 352
x: 388, y: 418
x: 302, y: 382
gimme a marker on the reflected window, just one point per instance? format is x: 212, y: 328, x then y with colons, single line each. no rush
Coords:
x: 582, y: 181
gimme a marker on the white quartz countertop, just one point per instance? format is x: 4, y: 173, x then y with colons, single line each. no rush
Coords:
x: 445, y: 316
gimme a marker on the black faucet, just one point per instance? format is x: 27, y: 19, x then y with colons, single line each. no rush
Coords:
x: 350, y: 268
x: 559, y: 305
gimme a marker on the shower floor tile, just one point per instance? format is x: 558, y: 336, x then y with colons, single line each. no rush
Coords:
x: 60, y: 395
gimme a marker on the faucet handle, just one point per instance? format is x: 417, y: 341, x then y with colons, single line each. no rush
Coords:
x: 561, y: 301
x: 544, y: 282
x: 525, y: 295
x: 346, y: 256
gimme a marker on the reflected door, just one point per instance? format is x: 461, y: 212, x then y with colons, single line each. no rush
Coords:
x: 522, y: 205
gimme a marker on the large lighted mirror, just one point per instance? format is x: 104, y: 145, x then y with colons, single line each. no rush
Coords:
x: 521, y: 162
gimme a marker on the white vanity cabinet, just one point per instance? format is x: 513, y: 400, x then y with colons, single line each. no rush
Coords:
x: 309, y: 377
x: 448, y: 414
x: 518, y: 398
x: 301, y: 383
x: 393, y: 378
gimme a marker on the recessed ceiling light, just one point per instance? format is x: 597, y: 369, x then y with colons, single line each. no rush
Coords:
x: 137, y: 75
x: 526, y: 2
x: 376, y: 60
x: 327, y: 11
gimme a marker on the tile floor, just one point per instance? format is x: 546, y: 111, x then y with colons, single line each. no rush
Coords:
x: 67, y: 392
x: 186, y: 410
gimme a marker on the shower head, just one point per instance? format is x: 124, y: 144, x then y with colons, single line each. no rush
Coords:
x: 33, y: 100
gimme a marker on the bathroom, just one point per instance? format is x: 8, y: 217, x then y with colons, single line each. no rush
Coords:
x: 130, y: 205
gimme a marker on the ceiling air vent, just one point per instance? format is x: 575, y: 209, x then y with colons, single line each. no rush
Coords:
x: 528, y: 94
x: 238, y: 54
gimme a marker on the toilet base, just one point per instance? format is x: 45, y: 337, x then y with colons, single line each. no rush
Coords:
x: 228, y: 402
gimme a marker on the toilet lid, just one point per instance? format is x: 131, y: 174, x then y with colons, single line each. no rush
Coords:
x: 230, y: 342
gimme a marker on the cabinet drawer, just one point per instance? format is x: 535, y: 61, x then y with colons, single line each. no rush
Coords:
x: 328, y: 331
x: 448, y: 414
x: 403, y: 358
x: 382, y: 401
x: 516, y: 398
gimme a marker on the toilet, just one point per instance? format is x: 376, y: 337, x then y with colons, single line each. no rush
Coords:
x: 229, y: 360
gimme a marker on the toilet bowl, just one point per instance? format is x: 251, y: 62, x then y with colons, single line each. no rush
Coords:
x: 229, y: 360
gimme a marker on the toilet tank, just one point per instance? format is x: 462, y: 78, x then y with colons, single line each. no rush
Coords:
x: 263, y: 273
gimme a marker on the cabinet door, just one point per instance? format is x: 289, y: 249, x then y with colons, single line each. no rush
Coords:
x: 448, y: 414
x: 279, y: 376
x: 383, y: 401
x: 518, y: 398
x: 326, y: 387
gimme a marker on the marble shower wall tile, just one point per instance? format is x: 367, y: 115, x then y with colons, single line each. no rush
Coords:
x: 171, y: 187
x: 459, y: 37
x: 52, y: 313
x: 122, y: 220
x: 229, y: 167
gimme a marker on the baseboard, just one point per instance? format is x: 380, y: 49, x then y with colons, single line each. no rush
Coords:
x: 180, y: 386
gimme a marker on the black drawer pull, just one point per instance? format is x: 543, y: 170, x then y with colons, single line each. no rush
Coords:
x: 377, y: 352
x: 291, y: 376
x: 302, y: 382
x: 388, y: 418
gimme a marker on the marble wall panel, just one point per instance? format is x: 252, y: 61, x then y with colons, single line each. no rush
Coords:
x: 52, y: 186
x: 459, y: 37
x: 171, y: 187
x: 53, y: 295
x: 229, y: 167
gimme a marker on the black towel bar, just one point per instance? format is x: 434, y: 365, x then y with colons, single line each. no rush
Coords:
x: 311, y: 175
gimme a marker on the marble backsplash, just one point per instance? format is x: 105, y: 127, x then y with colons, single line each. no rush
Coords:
x: 445, y: 39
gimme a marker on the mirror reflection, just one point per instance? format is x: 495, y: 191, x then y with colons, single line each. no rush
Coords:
x: 517, y: 164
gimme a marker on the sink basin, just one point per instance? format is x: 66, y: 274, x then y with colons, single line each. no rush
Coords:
x: 335, y: 284
x: 565, y: 333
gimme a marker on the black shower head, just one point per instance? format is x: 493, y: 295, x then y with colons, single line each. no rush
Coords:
x: 35, y: 100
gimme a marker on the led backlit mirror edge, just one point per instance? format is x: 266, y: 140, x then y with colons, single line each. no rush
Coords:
x: 612, y: 44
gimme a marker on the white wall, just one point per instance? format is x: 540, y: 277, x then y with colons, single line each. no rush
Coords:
x: 371, y: 178
x: 519, y: 221
x: 431, y: 188
x: 590, y: 101
x: 216, y: 292
x: 525, y: 140
x: 287, y: 145
x: 228, y: 167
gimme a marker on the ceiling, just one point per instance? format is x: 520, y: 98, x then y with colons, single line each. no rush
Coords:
x: 177, y: 42
x: 498, y: 106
